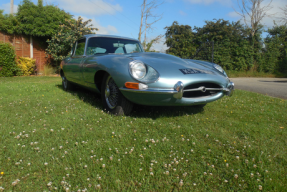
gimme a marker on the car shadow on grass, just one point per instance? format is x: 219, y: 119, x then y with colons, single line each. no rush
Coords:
x: 139, y: 111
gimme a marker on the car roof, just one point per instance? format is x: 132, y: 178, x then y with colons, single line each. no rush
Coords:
x: 109, y: 36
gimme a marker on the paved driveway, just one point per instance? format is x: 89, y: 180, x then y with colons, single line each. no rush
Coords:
x: 275, y: 87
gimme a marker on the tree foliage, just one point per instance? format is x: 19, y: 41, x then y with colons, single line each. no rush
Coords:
x: 8, y: 23
x: 231, y: 44
x: 61, y: 43
x: 275, y: 51
x: 39, y: 20
x: 180, y: 40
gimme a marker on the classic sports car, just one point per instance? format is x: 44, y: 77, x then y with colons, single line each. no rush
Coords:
x: 120, y: 70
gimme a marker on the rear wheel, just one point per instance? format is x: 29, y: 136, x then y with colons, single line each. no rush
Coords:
x: 112, y: 99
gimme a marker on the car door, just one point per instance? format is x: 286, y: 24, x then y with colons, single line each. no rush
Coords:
x: 94, y: 50
x: 75, y: 64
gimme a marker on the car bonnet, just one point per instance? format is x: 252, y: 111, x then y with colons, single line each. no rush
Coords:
x: 171, y: 65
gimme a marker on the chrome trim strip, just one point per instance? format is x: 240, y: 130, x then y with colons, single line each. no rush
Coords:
x: 207, y: 89
x: 151, y: 91
x: 178, y: 90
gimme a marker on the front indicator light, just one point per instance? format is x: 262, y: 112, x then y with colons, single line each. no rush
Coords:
x: 132, y: 85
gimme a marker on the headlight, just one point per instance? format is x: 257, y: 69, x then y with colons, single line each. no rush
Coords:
x: 142, y: 72
x: 137, y: 69
x: 218, y: 68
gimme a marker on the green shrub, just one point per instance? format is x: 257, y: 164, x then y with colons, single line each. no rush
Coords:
x: 8, y: 65
x: 27, y: 65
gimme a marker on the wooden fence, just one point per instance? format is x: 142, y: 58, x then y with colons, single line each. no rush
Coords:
x: 26, y: 46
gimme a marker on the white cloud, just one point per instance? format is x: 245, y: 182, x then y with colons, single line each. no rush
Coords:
x: 109, y: 29
x: 88, y: 7
x: 233, y: 14
x: 7, y: 8
x: 273, y: 13
x: 208, y: 2
x: 182, y: 13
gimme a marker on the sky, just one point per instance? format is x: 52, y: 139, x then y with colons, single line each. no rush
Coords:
x: 122, y: 17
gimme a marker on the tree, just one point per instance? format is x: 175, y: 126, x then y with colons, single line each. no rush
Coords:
x: 230, y: 42
x: 252, y: 13
x: 39, y: 20
x: 147, y: 14
x: 151, y: 43
x: 179, y: 39
x: 284, y: 15
x: 275, y: 50
x: 61, y: 43
x: 8, y: 23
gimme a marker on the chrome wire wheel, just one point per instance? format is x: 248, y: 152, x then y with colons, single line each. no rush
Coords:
x: 111, y: 93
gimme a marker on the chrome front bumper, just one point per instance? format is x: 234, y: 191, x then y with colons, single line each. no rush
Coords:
x: 178, y: 91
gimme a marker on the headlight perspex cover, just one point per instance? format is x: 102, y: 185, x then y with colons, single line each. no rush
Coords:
x: 219, y: 68
x: 142, y: 72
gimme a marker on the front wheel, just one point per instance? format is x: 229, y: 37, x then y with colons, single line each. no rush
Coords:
x: 112, y: 99
x: 67, y: 85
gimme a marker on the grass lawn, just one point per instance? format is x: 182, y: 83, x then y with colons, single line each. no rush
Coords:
x: 52, y: 140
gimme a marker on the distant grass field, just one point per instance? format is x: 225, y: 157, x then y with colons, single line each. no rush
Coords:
x: 52, y: 140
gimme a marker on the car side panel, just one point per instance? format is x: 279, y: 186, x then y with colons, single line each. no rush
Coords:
x: 116, y: 66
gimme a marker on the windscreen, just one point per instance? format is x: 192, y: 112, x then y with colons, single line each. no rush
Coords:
x: 105, y: 45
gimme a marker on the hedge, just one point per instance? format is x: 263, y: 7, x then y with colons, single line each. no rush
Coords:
x: 8, y: 66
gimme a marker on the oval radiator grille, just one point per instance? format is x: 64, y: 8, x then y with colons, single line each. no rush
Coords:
x: 201, y: 90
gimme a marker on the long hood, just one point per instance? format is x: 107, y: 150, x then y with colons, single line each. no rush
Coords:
x: 168, y: 63
x: 173, y: 69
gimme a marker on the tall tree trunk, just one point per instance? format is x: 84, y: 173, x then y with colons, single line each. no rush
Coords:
x: 11, y: 8
x: 145, y: 33
x: 142, y: 16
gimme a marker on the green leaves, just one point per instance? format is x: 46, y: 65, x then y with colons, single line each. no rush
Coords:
x: 8, y: 67
x: 39, y: 20
x: 61, y: 43
x: 179, y: 39
x: 234, y: 48
x: 275, y: 55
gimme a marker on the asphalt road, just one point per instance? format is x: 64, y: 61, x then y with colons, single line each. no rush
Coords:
x: 275, y: 87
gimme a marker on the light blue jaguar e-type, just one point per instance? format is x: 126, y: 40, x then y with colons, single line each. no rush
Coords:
x: 120, y: 70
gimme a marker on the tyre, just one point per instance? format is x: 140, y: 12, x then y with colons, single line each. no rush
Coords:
x: 112, y: 99
x: 67, y: 85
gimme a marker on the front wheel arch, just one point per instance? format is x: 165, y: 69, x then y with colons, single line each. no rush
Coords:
x: 112, y: 99
x: 62, y: 73
x: 98, y: 79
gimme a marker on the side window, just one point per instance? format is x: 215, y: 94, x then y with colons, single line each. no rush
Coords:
x: 80, y: 47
